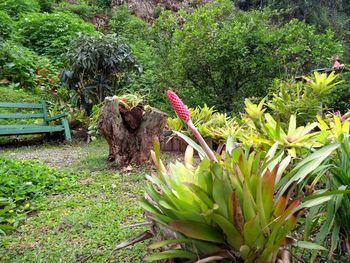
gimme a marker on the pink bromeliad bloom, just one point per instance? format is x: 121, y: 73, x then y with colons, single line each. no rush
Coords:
x: 184, y: 114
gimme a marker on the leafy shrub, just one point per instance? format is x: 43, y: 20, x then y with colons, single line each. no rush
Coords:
x: 21, y: 183
x: 97, y: 68
x: 224, y: 54
x: 51, y: 34
x: 6, y: 26
x: 23, y: 66
x: 16, y: 7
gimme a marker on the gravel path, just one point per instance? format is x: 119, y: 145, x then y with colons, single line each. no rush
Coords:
x: 62, y: 156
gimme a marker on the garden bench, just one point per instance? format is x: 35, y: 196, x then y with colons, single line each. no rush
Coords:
x: 41, y: 113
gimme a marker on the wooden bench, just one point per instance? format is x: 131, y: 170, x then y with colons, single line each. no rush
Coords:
x: 41, y: 113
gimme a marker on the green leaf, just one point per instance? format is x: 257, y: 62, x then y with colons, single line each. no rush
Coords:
x: 170, y: 254
x: 253, y: 234
x: 192, y: 143
x: 233, y: 237
x: 308, y: 245
x: 197, y: 230
x: 163, y: 243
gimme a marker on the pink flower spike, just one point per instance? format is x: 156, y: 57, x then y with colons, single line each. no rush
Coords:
x: 179, y: 107
x: 184, y: 114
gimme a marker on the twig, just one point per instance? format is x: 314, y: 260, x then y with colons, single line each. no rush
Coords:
x: 136, y: 225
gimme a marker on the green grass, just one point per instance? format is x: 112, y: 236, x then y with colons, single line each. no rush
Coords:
x: 82, y: 224
x: 10, y: 94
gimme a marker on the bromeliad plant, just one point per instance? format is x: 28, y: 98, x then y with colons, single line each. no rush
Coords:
x: 263, y: 129
x: 240, y: 206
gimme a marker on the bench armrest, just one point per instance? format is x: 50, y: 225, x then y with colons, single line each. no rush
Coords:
x: 59, y: 116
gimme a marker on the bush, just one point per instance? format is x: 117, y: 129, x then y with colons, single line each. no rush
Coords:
x: 21, y: 183
x: 51, y: 34
x: 226, y: 55
x: 96, y: 68
x: 23, y: 66
x: 6, y: 26
x: 16, y: 7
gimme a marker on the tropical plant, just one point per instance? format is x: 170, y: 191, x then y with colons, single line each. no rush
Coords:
x: 335, y: 227
x: 239, y: 206
x: 292, y: 98
x: 263, y: 129
x: 334, y: 127
x: 96, y: 68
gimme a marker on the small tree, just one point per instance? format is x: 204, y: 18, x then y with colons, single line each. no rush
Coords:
x: 97, y: 67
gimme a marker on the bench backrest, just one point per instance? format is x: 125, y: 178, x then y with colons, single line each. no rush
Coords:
x: 39, y: 107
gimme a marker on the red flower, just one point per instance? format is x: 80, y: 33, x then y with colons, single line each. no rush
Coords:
x: 179, y: 107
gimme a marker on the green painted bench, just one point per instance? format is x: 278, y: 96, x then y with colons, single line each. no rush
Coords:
x: 41, y: 113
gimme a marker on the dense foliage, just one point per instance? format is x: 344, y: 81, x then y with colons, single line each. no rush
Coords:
x: 96, y: 67
x: 18, y: 7
x: 6, y: 26
x: 51, y: 34
x: 231, y: 55
x: 21, y: 183
x: 24, y: 67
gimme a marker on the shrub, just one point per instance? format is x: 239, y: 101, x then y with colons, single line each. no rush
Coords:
x: 16, y: 7
x: 96, y: 68
x: 225, y: 54
x: 6, y: 26
x: 51, y: 34
x: 21, y: 183
x: 23, y: 66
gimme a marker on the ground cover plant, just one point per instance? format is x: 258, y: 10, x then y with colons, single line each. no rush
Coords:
x: 22, y: 182
x: 84, y: 222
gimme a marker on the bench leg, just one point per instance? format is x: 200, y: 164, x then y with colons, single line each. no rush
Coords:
x: 67, y: 134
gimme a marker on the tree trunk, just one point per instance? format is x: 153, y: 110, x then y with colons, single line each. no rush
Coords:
x: 130, y: 132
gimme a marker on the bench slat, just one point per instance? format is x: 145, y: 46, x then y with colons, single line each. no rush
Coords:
x: 31, y: 130
x: 21, y: 116
x: 21, y: 105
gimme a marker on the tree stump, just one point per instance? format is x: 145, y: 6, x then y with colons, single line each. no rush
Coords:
x: 130, y: 132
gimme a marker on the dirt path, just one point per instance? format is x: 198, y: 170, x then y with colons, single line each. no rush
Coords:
x: 55, y: 156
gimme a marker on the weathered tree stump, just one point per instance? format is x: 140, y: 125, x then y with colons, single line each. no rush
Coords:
x: 130, y: 132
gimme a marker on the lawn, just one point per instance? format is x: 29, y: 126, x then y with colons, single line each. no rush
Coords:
x: 83, y: 223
